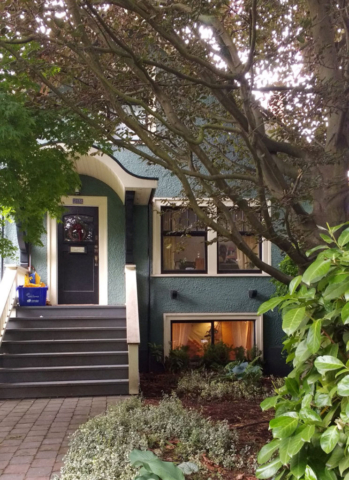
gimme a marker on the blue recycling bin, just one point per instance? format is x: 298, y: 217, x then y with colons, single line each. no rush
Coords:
x: 32, y: 297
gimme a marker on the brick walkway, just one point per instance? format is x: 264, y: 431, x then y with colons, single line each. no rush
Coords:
x: 34, y: 434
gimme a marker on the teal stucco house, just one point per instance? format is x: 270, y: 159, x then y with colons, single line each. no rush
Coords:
x: 127, y: 266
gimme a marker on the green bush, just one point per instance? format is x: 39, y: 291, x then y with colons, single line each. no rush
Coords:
x: 211, y: 386
x: 311, y: 424
x: 100, y: 448
x: 216, y: 355
x: 178, y: 359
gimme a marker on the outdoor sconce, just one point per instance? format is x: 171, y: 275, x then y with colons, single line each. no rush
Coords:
x: 252, y: 293
x: 174, y: 294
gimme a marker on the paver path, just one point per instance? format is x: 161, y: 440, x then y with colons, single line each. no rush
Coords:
x: 34, y: 434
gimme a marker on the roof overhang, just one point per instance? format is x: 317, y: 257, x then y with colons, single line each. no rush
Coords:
x: 110, y: 171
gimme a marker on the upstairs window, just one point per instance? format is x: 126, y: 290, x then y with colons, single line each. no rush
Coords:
x: 183, y: 242
x: 230, y: 258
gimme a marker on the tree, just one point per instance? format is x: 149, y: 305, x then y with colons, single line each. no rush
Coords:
x: 35, y: 170
x: 244, y: 101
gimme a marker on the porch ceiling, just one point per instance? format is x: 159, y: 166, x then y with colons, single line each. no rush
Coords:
x: 110, y: 171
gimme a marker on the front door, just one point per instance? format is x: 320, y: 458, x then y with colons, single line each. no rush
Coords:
x: 78, y: 256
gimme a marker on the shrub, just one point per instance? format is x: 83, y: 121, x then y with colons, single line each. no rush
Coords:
x: 210, y: 386
x: 311, y: 424
x: 216, y: 355
x: 100, y: 448
x: 178, y: 359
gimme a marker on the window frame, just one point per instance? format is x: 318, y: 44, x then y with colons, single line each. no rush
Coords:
x: 202, y: 233
x: 211, y: 247
x: 168, y: 318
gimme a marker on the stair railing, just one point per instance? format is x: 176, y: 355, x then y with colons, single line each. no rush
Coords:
x: 132, y: 325
x: 13, y: 277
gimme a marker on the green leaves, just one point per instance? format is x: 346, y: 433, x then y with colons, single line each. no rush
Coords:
x: 268, y: 450
x: 343, y: 387
x: 329, y: 439
x: 316, y: 271
x: 151, y: 464
x: 284, y: 425
x: 314, y: 336
x: 292, y: 319
x: 343, y: 237
x: 269, y: 402
x: 268, y: 470
x: 327, y: 363
x: 336, y: 290
x: 269, y: 305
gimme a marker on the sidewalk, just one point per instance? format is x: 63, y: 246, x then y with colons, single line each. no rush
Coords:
x: 34, y: 434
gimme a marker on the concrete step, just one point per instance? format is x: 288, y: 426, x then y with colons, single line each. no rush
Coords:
x: 64, y: 389
x: 70, y: 333
x: 60, y: 374
x: 65, y: 322
x: 63, y: 359
x: 82, y: 311
x: 51, y: 346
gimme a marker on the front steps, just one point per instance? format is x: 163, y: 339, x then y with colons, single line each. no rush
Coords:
x: 64, y: 351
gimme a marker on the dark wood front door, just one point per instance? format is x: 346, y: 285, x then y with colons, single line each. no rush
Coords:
x: 78, y: 256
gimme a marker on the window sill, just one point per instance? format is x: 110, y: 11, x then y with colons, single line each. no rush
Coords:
x: 210, y: 275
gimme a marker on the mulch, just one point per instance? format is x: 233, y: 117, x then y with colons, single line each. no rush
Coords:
x: 243, y: 415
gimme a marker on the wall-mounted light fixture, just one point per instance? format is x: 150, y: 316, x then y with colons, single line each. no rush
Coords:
x: 252, y: 293
x: 174, y: 294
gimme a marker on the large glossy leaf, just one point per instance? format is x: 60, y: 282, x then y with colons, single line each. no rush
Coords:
x: 298, y: 464
x: 292, y: 386
x: 268, y: 450
x: 322, y: 400
x: 292, y: 319
x: 269, y: 305
x: 138, y: 457
x: 285, y: 450
x: 343, y: 387
x: 283, y: 426
x: 269, y: 402
x: 302, y: 353
x: 314, y: 336
x: 316, y: 271
x: 343, y: 237
x: 336, y: 290
x: 309, y: 416
x: 309, y: 474
x: 294, y: 284
x: 345, y: 314
x: 329, y: 439
x: 268, y: 470
x: 328, y: 363
x: 335, y: 458
x: 165, y: 470
x: 343, y: 465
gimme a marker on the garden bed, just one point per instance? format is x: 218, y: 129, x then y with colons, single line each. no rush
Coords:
x: 244, y: 415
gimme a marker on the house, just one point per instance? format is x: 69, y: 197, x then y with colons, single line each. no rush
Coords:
x: 122, y: 272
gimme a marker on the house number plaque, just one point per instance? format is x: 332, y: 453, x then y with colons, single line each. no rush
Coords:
x: 77, y: 249
x: 78, y: 201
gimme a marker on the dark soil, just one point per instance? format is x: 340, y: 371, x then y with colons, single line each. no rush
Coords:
x: 243, y: 415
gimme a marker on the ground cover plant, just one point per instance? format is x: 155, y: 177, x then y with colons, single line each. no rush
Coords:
x: 311, y: 424
x: 100, y: 448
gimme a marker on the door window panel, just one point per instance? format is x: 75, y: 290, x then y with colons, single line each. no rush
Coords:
x: 78, y: 228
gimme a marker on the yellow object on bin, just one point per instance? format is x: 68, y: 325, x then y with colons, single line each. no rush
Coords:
x: 29, y: 278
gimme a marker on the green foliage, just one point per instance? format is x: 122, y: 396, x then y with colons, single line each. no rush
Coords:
x: 246, y: 371
x: 152, y: 468
x: 216, y: 355
x: 157, y: 352
x: 311, y: 424
x: 207, y: 386
x: 100, y: 448
x: 178, y: 359
x: 36, y: 171
x: 288, y: 267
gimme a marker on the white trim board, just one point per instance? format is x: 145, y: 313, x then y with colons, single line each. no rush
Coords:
x: 216, y: 317
x: 52, y: 247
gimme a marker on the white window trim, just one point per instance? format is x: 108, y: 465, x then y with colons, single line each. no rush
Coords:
x: 212, y: 251
x: 52, y: 247
x: 216, y: 317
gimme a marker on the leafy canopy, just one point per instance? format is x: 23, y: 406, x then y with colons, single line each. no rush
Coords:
x: 245, y: 101
x: 311, y: 424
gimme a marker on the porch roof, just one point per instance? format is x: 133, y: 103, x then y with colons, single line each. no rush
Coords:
x: 110, y: 171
